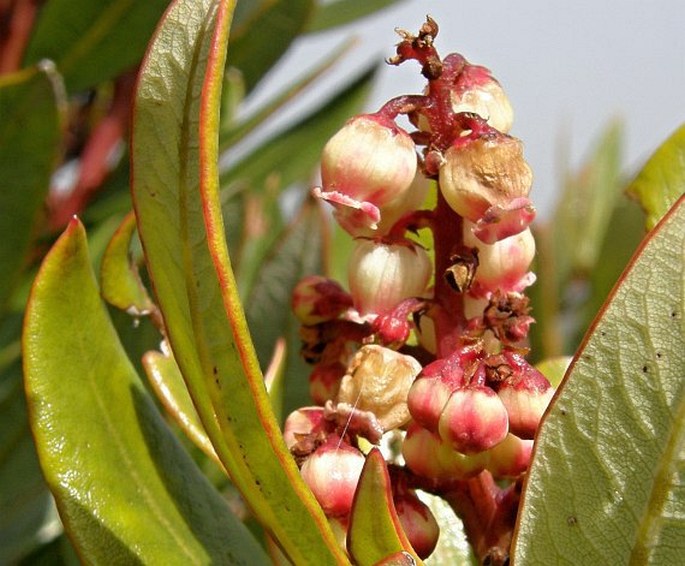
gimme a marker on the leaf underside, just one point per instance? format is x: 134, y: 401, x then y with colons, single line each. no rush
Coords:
x: 606, y: 483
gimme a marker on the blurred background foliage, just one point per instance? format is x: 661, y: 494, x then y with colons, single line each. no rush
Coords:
x: 67, y: 74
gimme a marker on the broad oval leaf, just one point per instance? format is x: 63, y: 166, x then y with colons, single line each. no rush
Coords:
x: 30, y: 108
x: 126, y: 490
x: 93, y: 40
x: 661, y: 182
x: 375, y: 534
x: 175, y: 188
x: 606, y: 482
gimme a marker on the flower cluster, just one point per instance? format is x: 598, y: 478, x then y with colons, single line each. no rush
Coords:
x: 428, y: 342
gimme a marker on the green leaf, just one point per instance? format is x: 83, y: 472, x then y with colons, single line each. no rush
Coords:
x: 175, y: 188
x: 29, y: 146
x: 291, y: 155
x: 263, y: 36
x: 119, y: 276
x: 231, y: 134
x: 606, y: 482
x: 296, y: 253
x: 93, y: 40
x: 375, y: 532
x: 662, y: 180
x: 167, y: 383
x: 126, y: 490
x: 340, y: 12
x: 28, y: 516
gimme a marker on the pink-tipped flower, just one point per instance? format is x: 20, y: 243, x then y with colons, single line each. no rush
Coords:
x: 332, y: 473
x: 318, y: 299
x: 474, y: 419
x: 503, y: 265
x: 476, y: 91
x: 525, y: 394
x: 301, y: 423
x: 427, y: 455
x: 482, y: 170
x: 436, y: 383
x: 381, y: 275
x: 510, y: 458
x: 418, y: 522
x: 378, y: 380
x: 367, y: 165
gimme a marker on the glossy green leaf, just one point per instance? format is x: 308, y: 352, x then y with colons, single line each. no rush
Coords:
x: 175, y: 187
x: 340, y: 12
x: 375, y: 532
x: 662, y: 180
x: 126, y: 490
x: 262, y: 37
x: 606, y: 482
x: 29, y: 146
x: 119, y: 277
x: 167, y: 383
x: 93, y: 40
x: 291, y: 155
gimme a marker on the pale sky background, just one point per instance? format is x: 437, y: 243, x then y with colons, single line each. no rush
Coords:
x: 569, y: 68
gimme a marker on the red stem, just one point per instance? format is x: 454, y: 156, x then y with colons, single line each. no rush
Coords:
x: 16, y: 24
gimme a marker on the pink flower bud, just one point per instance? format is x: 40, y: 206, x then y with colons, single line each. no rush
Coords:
x: 301, y: 423
x: 332, y: 473
x: 318, y: 299
x: 510, y: 458
x: 382, y: 275
x: 474, y: 419
x: 426, y: 400
x: 503, y: 265
x: 367, y: 165
x: 427, y: 455
x: 418, y: 523
x: 525, y: 394
x: 324, y: 382
x: 476, y: 91
x: 378, y: 380
x: 482, y: 171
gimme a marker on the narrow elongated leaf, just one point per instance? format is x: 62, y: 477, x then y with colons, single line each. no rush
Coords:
x: 375, y: 532
x: 126, y: 490
x: 291, y: 155
x: 175, y: 184
x: 93, y: 40
x: 29, y: 145
x: 662, y: 180
x: 120, y: 280
x: 259, y: 40
x: 340, y: 12
x: 606, y: 483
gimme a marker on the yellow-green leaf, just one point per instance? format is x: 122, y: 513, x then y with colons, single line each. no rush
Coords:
x: 662, y: 180
x: 126, y: 490
x: 175, y: 188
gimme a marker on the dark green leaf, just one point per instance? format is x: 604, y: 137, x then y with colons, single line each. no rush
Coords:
x: 127, y: 492
x: 29, y: 145
x: 340, y: 12
x: 261, y: 38
x: 93, y: 40
x: 606, y: 482
x: 175, y: 187
x: 662, y: 180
